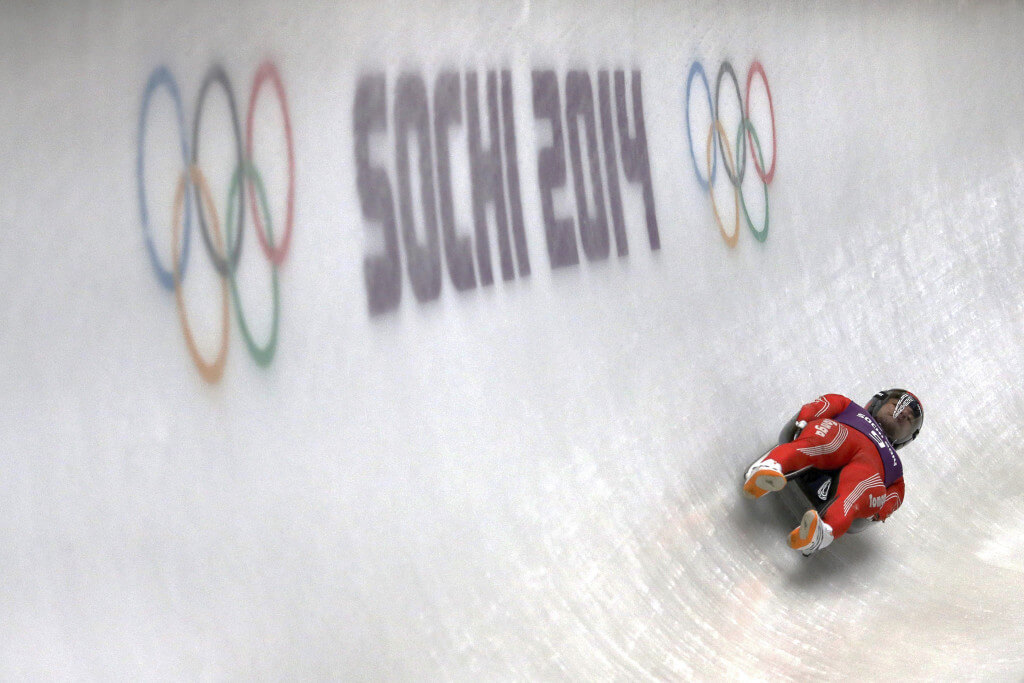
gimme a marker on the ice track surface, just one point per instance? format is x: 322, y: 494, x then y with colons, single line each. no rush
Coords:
x: 539, y: 478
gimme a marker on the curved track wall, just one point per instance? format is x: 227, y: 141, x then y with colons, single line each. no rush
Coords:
x: 477, y: 317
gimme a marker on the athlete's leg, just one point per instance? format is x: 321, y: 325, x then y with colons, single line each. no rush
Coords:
x: 860, y: 486
x: 819, y: 445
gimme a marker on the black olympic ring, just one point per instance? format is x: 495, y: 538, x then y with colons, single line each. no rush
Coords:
x: 216, y: 74
x: 741, y: 149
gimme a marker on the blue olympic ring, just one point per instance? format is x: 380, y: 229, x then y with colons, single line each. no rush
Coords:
x: 162, y: 76
x: 696, y: 69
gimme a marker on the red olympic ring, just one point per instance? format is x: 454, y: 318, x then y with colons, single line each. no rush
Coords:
x: 755, y: 67
x: 275, y: 254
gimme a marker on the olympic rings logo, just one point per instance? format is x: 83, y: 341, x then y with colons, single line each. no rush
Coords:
x: 718, y: 145
x: 224, y: 250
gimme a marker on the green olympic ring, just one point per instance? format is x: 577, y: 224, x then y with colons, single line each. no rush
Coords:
x: 762, y: 234
x: 262, y: 355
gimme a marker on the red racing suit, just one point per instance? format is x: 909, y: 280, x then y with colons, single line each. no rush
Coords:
x: 829, y: 445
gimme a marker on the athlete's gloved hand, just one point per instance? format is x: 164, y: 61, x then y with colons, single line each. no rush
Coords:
x: 798, y: 427
x: 792, y: 429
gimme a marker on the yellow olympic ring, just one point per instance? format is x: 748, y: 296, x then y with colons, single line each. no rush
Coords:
x: 729, y: 239
x: 211, y: 372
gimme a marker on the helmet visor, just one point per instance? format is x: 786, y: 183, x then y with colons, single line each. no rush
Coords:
x: 909, y: 403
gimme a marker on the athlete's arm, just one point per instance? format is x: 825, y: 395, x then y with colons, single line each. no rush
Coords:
x: 828, y: 405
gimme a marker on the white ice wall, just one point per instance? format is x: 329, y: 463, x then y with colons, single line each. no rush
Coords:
x: 536, y: 479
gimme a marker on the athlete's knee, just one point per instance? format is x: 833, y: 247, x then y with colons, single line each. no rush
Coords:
x: 863, y: 497
x: 789, y: 456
